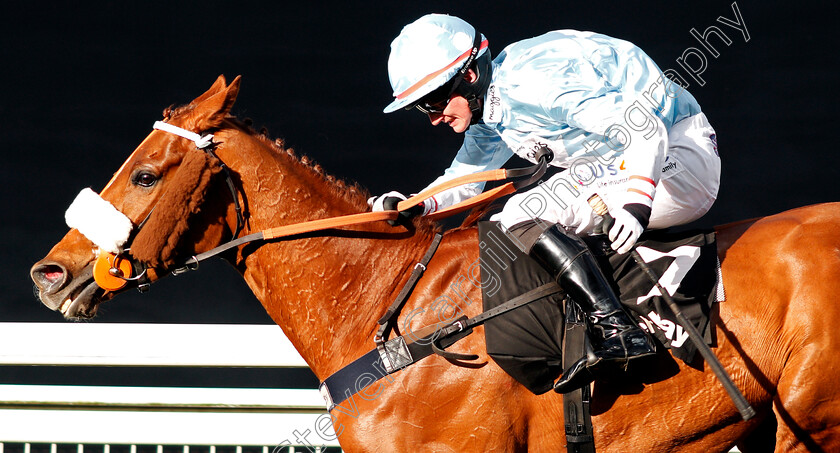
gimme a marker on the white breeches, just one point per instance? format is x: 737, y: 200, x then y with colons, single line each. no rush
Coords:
x: 686, y: 190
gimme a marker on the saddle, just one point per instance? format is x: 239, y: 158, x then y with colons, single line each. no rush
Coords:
x: 528, y: 342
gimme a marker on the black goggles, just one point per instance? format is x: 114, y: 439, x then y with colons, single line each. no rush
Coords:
x: 436, y: 101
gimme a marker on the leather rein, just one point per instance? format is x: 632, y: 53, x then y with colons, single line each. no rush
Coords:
x: 515, y: 180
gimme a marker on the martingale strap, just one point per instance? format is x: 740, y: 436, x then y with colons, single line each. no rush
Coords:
x: 388, y: 321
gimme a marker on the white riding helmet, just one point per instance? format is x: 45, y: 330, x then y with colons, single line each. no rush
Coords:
x: 428, y: 53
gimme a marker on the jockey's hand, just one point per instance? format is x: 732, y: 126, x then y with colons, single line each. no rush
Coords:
x: 629, y: 223
x: 389, y: 201
x: 378, y: 203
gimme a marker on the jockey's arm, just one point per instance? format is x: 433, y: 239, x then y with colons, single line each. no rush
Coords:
x: 482, y: 150
x: 643, y: 156
x: 642, y: 139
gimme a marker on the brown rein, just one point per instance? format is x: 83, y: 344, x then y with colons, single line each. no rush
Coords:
x: 368, y: 217
x: 109, y: 265
x: 526, y: 176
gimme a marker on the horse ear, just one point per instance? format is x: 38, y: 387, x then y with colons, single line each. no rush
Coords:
x: 218, y: 85
x: 210, y: 112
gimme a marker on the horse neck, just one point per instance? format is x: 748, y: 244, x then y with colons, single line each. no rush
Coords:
x: 325, y: 290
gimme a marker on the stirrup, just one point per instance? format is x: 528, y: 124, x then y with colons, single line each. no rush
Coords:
x: 579, y: 374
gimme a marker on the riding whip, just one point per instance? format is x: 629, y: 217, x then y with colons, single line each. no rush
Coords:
x: 747, y: 411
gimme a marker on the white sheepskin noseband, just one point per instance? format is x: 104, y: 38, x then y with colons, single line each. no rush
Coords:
x: 99, y: 221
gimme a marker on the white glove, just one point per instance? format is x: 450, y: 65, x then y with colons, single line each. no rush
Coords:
x: 376, y: 203
x: 625, y: 231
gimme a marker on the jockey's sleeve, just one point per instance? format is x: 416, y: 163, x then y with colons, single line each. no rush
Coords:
x: 643, y: 157
x: 633, y: 130
x: 483, y: 149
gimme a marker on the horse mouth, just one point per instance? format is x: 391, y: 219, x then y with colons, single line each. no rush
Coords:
x: 82, y: 302
x: 79, y: 298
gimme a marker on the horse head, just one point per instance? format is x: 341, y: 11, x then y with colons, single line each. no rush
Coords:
x: 139, y: 226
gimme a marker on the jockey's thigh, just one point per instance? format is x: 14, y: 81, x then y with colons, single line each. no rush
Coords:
x: 552, y: 201
x: 690, y: 174
x: 686, y: 191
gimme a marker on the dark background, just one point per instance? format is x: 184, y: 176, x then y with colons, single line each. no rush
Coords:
x: 83, y: 82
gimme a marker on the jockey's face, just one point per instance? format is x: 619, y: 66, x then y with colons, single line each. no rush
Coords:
x: 457, y: 114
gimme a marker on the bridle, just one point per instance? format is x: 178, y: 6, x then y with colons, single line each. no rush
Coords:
x: 206, y: 143
x: 115, y: 271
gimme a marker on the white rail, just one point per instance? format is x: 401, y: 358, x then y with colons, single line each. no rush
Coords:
x: 118, y: 415
x: 181, y: 345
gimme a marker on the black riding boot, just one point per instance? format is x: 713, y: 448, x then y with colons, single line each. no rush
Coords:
x: 614, y: 336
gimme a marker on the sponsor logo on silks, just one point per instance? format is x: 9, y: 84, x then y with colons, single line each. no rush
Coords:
x: 585, y: 174
x: 493, y: 109
x: 670, y: 165
x: 713, y: 138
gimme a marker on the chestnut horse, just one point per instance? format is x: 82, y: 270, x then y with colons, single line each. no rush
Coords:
x: 776, y: 332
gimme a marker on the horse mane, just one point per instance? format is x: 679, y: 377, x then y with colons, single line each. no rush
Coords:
x: 351, y: 192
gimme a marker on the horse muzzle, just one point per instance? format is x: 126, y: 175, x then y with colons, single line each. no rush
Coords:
x: 75, y: 296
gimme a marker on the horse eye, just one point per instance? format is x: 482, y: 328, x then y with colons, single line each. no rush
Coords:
x: 145, y: 179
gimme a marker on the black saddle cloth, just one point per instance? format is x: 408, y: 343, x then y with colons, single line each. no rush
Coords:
x: 527, y: 342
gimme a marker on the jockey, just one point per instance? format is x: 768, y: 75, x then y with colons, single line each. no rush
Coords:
x: 611, y: 124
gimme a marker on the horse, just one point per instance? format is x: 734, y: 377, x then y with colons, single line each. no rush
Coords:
x: 775, y: 333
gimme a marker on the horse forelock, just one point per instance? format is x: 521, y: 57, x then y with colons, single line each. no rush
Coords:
x: 351, y: 192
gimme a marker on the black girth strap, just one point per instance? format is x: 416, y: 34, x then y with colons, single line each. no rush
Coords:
x: 400, y: 352
x: 388, y: 358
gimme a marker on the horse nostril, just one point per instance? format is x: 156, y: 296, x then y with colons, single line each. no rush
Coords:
x: 48, y: 277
